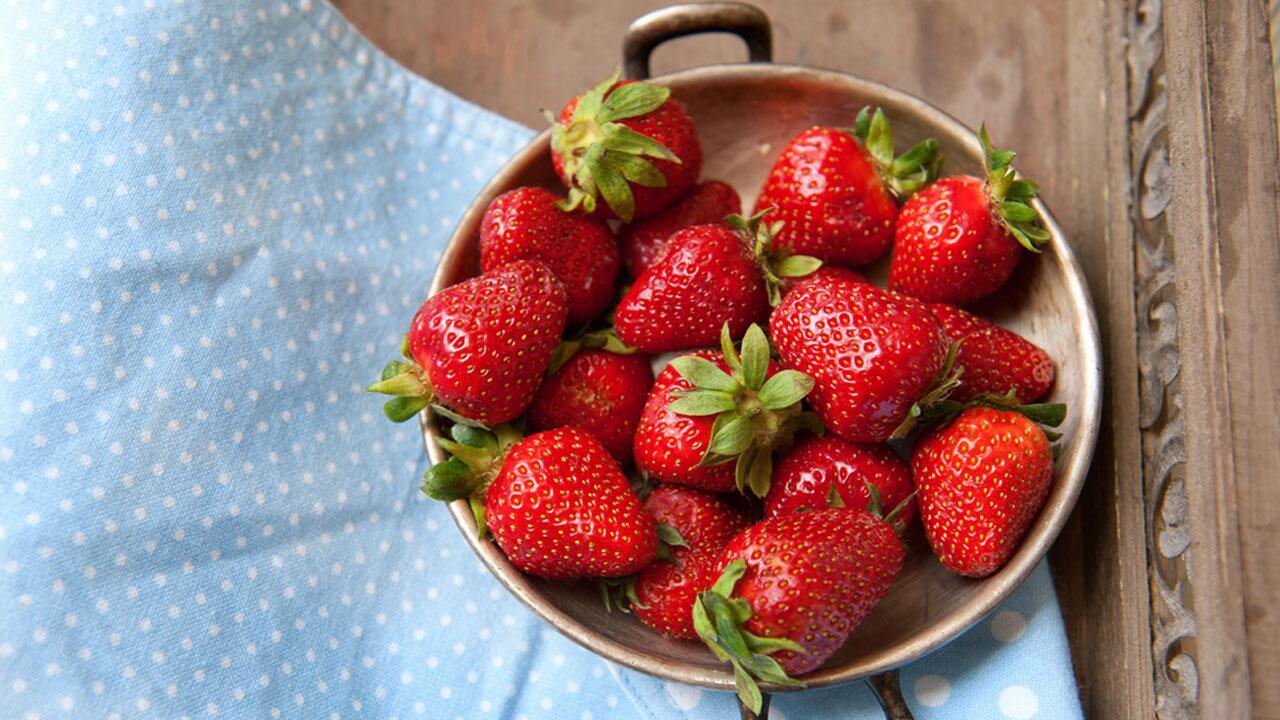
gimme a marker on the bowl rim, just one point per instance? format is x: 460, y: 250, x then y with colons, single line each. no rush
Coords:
x: 1074, y: 464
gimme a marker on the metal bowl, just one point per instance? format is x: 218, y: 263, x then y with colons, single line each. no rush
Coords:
x: 744, y: 115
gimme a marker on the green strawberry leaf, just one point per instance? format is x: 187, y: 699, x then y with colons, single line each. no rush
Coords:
x: 727, y: 349
x: 1050, y: 414
x: 399, y: 409
x: 702, y: 402
x: 449, y: 480
x: 755, y: 357
x: 670, y: 536
x: 704, y: 374
x: 794, y: 266
x: 731, y: 437
x: 480, y: 514
x: 748, y: 690
x: 785, y: 389
x: 634, y: 168
x: 633, y: 99
x: 622, y: 140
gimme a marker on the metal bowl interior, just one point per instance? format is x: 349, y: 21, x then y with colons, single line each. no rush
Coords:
x: 744, y: 115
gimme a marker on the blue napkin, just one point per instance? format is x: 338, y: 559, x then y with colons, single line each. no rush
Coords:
x: 216, y: 219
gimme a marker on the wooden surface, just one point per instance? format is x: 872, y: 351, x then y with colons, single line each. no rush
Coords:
x: 1152, y: 128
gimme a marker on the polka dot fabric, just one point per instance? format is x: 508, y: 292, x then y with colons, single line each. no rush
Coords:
x: 216, y: 220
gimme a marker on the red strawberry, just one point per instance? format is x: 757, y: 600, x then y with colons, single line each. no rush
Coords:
x: 871, y: 353
x: 561, y: 508
x: 597, y: 391
x: 806, y: 475
x: 981, y: 480
x: 527, y: 224
x: 793, y: 589
x: 994, y: 360
x: 708, y: 203
x: 958, y: 239
x: 665, y: 591
x: 628, y: 143
x: 480, y: 347
x: 836, y: 190
x: 713, y: 420
x: 707, y: 276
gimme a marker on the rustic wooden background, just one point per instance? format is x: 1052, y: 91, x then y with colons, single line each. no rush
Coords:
x: 1151, y: 127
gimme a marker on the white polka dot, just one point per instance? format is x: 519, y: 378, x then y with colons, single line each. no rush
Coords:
x: 1018, y: 702
x: 1008, y: 626
x: 932, y: 690
x: 683, y: 697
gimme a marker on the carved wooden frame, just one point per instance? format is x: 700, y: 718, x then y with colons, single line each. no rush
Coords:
x: 1182, y: 134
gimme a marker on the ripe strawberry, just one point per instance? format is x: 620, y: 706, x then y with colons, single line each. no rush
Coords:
x: 958, y: 239
x: 480, y: 347
x: 665, y: 591
x: 527, y: 224
x: 713, y: 421
x: 793, y: 589
x: 981, y: 480
x: 871, y: 353
x: 707, y: 204
x: 806, y: 476
x: 602, y: 144
x: 836, y: 190
x: 561, y: 508
x: 707, y: 276
x: 597, y: 391
x: 994, y: 360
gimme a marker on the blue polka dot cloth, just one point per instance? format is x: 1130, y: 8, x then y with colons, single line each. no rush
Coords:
x: 216, y: 219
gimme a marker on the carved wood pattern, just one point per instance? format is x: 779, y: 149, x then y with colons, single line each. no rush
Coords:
x: 1160, y: 399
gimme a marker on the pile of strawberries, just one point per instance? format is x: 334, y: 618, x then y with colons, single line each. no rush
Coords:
x: 771, y: 492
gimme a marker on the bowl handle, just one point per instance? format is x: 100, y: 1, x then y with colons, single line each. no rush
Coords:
x: 648, y: 32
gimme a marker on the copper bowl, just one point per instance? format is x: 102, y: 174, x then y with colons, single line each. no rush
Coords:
x: 744, y: 114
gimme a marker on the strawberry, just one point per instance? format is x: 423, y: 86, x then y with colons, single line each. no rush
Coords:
x: 597, y: 391
x: 872, y: 353
x: 560, y: 508
x: 793, y: 589
x: 713, y: 421
x: 528, y: 224
x: 959, y: 239
x: 708, y: 203
x: 707, y: 276
x: 628, y: 143
x: 818, y: 466
x: 664, y: 591
x: 981, y: 480
x: 994, y: 360
x: 479, y: 347
x: 837, y: 189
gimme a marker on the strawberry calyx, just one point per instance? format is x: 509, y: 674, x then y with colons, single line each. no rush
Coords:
x: 875, y: 506
x: 902, y: 174
x: 604, y: 339
x: 1011, y: 195
x: 929, y: 405
x: 620, y: 592
x: 602, y: 155
x: 1048, y: 415
x: 476, y: 455
x: 777, y: 263
x: 756, y: 415
x: 718, y: 618
x: 407, y: 383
